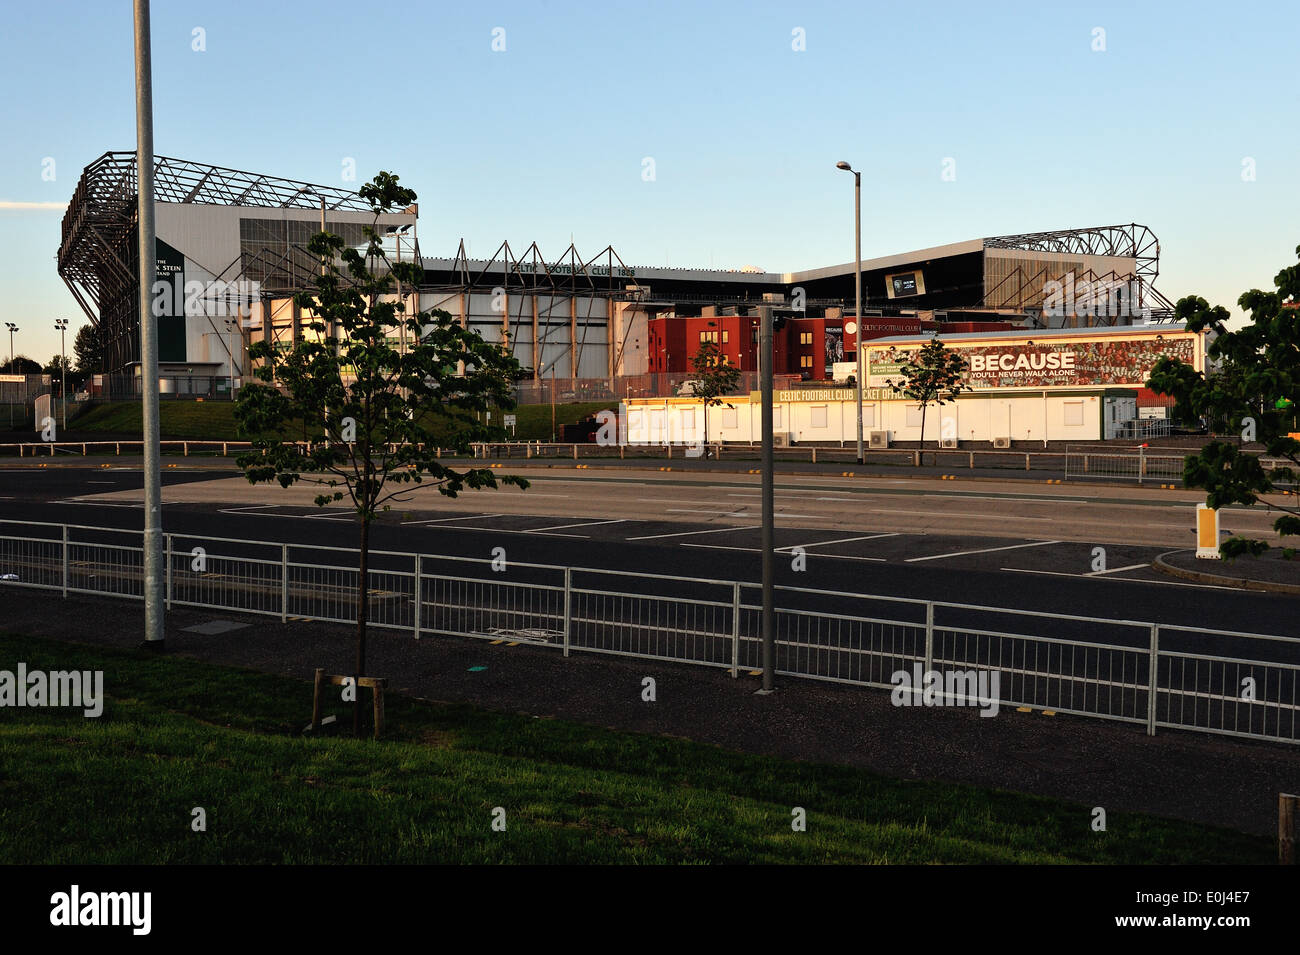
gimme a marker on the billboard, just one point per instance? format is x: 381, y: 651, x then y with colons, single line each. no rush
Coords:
x: 834, y: 344
x: 1099, y: 362
x: 168, y: 303
x: 905, y: 284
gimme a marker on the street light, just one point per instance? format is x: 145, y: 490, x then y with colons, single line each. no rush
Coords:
x: 61, y: 326
x: 12, y: 328
x: 309, y: 191
x: 857, y: 286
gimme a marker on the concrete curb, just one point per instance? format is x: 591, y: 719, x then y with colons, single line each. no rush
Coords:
x: 1241, y: 583
x: 1015, y: 475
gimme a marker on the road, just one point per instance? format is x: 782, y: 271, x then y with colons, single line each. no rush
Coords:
x: 1012, y: 543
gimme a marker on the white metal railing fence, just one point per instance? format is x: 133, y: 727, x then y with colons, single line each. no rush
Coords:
x: 1089, y: 462
x: 1156, y: 675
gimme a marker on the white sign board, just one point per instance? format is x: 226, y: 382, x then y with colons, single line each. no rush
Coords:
x: 510, y: 421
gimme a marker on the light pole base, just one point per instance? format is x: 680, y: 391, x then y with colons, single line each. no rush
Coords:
x: 155, y: 646
x: 765, y: 692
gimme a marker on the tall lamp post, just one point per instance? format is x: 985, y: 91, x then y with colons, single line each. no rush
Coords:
x: 857, y: 286
x: 329, y: 331
x: 147, y: 258
x: 12, y: 328
x: 61, y: 325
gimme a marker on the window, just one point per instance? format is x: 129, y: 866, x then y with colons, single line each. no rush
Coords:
x: 818, y: 416
x: 708, y: 337
x: 688, y: 420
x: 913, y: 416
x: 805, y: 338
x: 805, y: 361
x: 726, y: 336
x: 1073, y: 414
x: 730, y: 419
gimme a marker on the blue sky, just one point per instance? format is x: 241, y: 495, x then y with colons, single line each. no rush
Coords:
x: 546, y: 139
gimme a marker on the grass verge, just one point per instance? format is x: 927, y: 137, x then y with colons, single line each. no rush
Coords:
x: 215, y: 420
x: 177, y: 734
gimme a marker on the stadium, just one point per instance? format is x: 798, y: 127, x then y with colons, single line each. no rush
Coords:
x: 232, y: 253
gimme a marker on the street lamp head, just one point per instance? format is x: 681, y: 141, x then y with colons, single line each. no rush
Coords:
x: 843, y: 165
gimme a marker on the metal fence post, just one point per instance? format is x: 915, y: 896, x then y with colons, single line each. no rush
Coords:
x: 168, y: 575
x: 65, y: 560
x: 568, y: 614
x: 735, y: 629
x: 284, y: 583
x: 1154, y: 667
x: 929, y: 637
x: 418, y: 597
x: 1142, y: 464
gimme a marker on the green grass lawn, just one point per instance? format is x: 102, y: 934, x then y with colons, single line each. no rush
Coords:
x: 176, y: 734
x: 215, y: 420
x: 181, y: 420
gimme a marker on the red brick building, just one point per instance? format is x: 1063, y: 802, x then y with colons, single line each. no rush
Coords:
x: 804, y: 347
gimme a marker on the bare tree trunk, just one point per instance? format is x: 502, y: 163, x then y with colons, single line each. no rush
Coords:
x: 363, y: 608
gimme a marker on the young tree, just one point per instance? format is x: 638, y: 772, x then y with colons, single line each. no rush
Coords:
x: 88, y: 350
x: 378, y: 402
x: 932, y: 377
x: 1254, y: 391
x: 715, y: 377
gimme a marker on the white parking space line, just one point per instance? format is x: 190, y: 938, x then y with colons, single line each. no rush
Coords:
x: 716, y: 530
x: 1126, y: 580
x: 986, y: 550
x: 1117, y: 570
x: 759, y: 550
x: 842, y: 540
x: 558, y: 527
x: 443, y: 520
x: 245, y: 510
x: 506, y: 530
x: 687, y: 510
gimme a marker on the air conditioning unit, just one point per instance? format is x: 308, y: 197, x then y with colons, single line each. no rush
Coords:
x: 781, y: 439
x: 1001, y: 442
x: 878, y: 440
x: 949, y: 443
